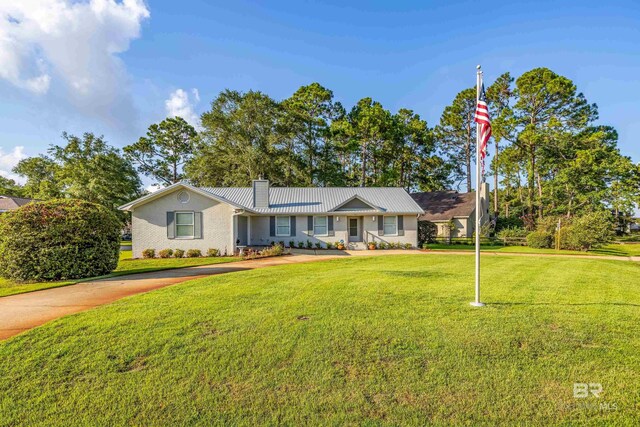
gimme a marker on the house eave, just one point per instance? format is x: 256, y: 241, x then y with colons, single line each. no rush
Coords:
x: 156, y: 195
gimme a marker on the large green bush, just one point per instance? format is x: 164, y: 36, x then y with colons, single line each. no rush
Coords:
x: 588, y: 231
x: 58, y: 239
x: 539, y: 239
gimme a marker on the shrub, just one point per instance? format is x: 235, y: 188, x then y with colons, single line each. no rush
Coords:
x: 549, y: 224
x: 292, y: 244
x: 309, y: 244
x: 276, y: 250
x: 194, y: 253
x: 149, y: 253
x: 588, y: 231
x: 427, y: 232
x: 318, y: 245
x: 329, y: 245
x: 58, y: 239
x: 178, y: 253
x: 211, y: 252
x: 281, y: 243
x: 300, y: 245
x: 382, y: 245
x: 165, y: 253
x: 539, y: 240
x: 510, y: 233
x: 408, y: 246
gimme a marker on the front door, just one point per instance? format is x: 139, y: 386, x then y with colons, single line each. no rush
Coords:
x: 354, y: 229
x: 243, y: 231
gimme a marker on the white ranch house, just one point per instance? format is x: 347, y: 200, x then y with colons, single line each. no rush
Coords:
x: 183, y: 216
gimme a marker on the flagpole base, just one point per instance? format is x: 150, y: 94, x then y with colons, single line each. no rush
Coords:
x: 477, y: 304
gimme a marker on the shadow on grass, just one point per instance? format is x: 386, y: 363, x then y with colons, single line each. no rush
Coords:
x: 415, y: 274
x: 565, y: 304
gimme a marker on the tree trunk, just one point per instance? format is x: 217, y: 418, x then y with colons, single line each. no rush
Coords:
x: 539, y: 184
x: 495, y: 180
x: 468, y: 164
x: 363, y: 176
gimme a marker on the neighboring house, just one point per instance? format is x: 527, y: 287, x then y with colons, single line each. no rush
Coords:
x: 9, y: 203
x: 187, y: 217
x: 450, y: 207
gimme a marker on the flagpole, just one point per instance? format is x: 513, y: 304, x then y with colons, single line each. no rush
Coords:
x: 477, y: 302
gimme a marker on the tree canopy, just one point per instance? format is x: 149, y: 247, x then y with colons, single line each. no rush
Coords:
x: 550, y: 157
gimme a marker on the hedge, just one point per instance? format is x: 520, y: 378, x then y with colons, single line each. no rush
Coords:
x: 58, y: 239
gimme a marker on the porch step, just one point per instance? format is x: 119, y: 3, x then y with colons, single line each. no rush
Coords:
x: 357, y: 246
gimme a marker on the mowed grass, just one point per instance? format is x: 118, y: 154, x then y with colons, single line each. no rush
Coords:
x: 126, y: 265
x: 369, y: 340
x: 624, y: 250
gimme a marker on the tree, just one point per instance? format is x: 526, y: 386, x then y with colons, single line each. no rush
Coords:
x: 499, y: 96
x: 90, y: 169
x: 167, y: 147
x: 9, y: 187
x: 547, y: 107
x: 414, y: 161
x: 370, y: 126
x: 308, y: 114
x: 84, y: 168
x: 42, y: 182
x: 242, y: 141
x: 456, y: 134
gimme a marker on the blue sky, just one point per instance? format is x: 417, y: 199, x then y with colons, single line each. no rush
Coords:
x: 115, y: 67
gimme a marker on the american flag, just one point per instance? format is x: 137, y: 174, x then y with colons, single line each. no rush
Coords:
x: 483, y: 120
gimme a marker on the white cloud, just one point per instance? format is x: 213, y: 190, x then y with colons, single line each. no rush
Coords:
x: 74, y: 44
x: 9, y: 160
x: 180, y: 104
x: 152, y: 188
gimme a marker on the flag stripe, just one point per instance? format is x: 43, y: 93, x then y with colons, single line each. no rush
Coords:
x: 484, y: 121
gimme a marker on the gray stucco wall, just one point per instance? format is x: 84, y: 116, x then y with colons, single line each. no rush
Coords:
x: 149, y: 224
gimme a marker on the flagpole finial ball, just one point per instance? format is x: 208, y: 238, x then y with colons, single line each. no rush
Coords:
x: 478, y: 67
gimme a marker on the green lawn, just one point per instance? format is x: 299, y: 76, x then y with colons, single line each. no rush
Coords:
x: 612, y: 249
x: 125, y: 266
x: 359, y: 341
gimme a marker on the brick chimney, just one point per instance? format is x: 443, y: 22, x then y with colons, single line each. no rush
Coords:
x: 260, y: 193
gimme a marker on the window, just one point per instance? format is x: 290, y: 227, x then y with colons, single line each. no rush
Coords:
x: 283, y: 226
x: 185, y: 225
x: 320, y: 226
x: 390, y: 225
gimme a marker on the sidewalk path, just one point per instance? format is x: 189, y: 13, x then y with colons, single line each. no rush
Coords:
x: 21, y: 312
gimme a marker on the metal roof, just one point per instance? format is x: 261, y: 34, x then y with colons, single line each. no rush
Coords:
x: 309, y: 200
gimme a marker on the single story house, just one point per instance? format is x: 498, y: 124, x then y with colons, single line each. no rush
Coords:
x: 445, y: 208
x: 182, y: 216
x: 9, y: 203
